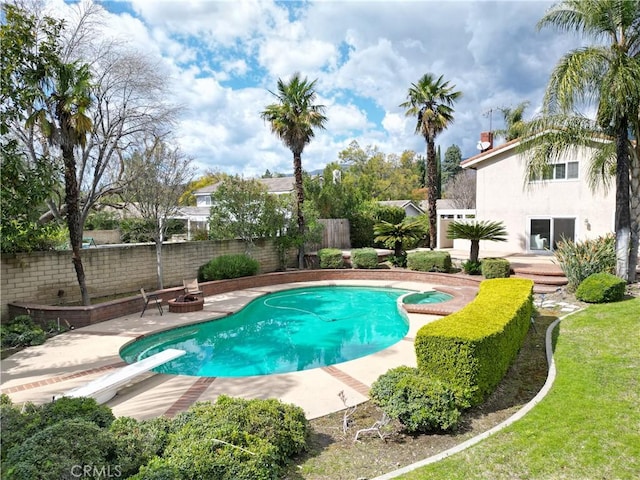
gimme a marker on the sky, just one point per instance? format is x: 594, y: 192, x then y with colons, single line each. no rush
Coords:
x: 222, y: 58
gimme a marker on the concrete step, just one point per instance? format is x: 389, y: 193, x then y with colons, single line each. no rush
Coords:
x: 547, y: 270
x: 550, y: 280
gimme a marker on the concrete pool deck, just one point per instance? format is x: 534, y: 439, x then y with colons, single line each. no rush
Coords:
x: 72, y: 359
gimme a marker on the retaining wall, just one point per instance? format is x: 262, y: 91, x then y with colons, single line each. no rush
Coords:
x: 49, y: 277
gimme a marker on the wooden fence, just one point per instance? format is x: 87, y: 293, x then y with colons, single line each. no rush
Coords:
x: 336, y: 234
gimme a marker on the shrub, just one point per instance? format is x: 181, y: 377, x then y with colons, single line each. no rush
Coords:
x: 601, y: 288
x: 330, y: 258
x: 419, y: 402
x: 496, y: 268
x: 429, y: 261
x: 81, y: 408
x: 471, y: 267
x: 579, y: 260
x: 364, y: 258
x: 228, y: 266
x: 16, y: 425
x: 398, y: 260
x: 472, y: 349
x: 60, y: 451
x: 21, y: 332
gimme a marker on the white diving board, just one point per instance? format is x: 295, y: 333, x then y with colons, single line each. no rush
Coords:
x: 103, y: 388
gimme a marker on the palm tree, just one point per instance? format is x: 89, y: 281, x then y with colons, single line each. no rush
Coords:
x: 608, y: 76
x: 514, y: 124
x: 395, y: 235
x: 293, y: 119
x: 431, y: 100
x: 65, y: 99
x: 476, y: 231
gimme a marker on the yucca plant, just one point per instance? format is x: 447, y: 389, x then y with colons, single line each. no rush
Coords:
x: 582, y: 259
x: 476, y: 231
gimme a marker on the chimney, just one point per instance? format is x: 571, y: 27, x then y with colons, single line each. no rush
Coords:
x: 486, y: 141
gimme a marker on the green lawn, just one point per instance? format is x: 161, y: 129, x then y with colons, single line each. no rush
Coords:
x: 588, y: 426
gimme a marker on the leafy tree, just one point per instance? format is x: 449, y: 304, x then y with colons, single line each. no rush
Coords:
x: 396, y: 235
x: 209, y: 178
x: 606, y: 75
x: 161, y: 175
x: 451, y: 164
x: 476, y: 231
x: 515, y: 126
x: 431, y: 100
x: 244, y: 209
x: 293, y: 119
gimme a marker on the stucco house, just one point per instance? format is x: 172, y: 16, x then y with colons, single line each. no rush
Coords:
x: 409, y: 206
x: 538, y: 213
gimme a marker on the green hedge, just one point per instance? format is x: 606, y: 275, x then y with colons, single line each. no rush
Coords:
x: 364, y: 258
x: 228, y: 266
x: 601, y: 288
x: 429, y: 261
x: 473, y: 348
x: 330, y: 258
x: 495, y: 268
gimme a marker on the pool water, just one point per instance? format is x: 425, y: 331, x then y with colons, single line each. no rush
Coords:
x: 420, y: 298
x: 287, y: 331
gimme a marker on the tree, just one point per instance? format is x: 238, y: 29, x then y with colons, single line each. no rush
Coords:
x: 431, y: 100
x: 293, y: 119
x: 514, y: 124
x: 159, y: 176
x: 244, y: 209
x: 606, y: 75
x: 451, y: 164
x: 396, y: 235
x: 461, y: 190
x: 476, y: 231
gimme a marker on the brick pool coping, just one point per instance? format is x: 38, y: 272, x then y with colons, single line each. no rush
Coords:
x: 82, y: 316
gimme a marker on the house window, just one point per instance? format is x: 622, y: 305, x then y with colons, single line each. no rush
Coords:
x: 546, y: 233
x: 558, y: 171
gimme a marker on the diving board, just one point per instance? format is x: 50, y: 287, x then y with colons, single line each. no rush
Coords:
x: 103, y: 388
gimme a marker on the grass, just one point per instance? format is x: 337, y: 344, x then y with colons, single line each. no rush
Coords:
x: 588, y: 426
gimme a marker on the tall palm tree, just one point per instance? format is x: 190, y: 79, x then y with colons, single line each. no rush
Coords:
x: 293, y: 119
x: 606, y: 75
x: 476, y: 231
x: 64, y: 100
x: 514, y: 124
x: 431, y: 100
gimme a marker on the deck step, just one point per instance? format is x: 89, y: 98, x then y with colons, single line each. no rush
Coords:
x: 544, y: 279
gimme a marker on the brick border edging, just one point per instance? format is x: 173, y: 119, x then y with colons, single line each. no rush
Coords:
x: 76, y: 317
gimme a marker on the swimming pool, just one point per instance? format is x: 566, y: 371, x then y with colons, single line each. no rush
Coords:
x: 287, y: 331
x: 420, y: 298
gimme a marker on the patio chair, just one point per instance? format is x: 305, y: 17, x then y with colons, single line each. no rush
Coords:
x: 191, y: 287
x: 148, y: 298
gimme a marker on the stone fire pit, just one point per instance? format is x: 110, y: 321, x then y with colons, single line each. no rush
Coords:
x: 186, y: 304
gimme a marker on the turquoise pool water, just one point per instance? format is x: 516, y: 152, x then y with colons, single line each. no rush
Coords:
x: 281, y: 332
x: 420, y: 298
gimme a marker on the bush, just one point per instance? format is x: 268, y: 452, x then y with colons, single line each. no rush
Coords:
x: 234, y: 439
x: 398, y: 260
x: 364, y: 258
x: 228, y: 266
x: 495, y: 268
x: 60, y: 451
x: 471, y: 267
x: 21, y: 332
x: 601, y: 288
x: 330, y: 258
x: 429, y: 261
x: 81, y: 408
x: 579, y: 260
x: 420, y: 403
x: 362, y: 222
x: 16, y: 425
x: 472, y: 349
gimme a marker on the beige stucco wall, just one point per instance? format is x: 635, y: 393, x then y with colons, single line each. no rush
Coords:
x: 502, y: 195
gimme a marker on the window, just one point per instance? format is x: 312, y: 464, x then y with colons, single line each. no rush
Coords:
x: 558, y: 171
x: 545, y: 233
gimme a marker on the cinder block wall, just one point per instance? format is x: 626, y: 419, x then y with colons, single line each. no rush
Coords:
x: 49, y: 277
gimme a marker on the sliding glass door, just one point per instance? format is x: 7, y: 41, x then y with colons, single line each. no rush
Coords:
x: 545, y: 233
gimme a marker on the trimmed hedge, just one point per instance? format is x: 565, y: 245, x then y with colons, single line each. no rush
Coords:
x: 495, y: 268
x: 472, y: 349
x: 601, y: 288
x: 429, y: 261
x: 228, y: 266
x: 330, y: 258
x: 364, y: 258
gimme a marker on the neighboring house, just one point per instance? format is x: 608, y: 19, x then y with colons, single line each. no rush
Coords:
x: 198, y: 217
x: 447, y: 213
x: 409, y: 207
x: 538, y: 214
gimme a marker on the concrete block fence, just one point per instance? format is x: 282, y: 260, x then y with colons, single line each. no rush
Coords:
x: 49, y: 277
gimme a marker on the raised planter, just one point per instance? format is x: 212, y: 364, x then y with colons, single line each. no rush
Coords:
x: 177, y: 306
